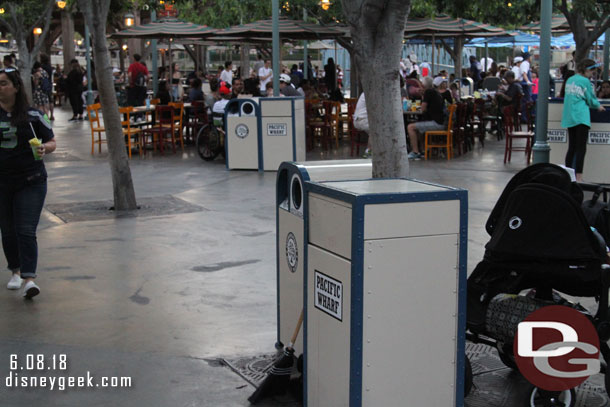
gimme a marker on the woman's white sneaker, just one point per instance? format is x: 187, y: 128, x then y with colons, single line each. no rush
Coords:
x: 30, y: 289
x: 15, y: 282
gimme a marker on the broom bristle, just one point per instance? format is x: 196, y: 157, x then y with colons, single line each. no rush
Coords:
x: 277, y: 380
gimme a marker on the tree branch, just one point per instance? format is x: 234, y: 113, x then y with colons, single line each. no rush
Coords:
x: 47, y: 25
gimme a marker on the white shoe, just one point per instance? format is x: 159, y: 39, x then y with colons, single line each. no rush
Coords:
x: 30, y: 290
x: 15, y: 282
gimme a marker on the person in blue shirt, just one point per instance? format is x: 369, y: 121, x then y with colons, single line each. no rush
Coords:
x: 579, y: 98
x: 25, y: 138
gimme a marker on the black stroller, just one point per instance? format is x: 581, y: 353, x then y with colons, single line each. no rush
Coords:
x: 541, y: 242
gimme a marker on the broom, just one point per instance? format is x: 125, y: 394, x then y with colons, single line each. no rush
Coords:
x: 278, y: 378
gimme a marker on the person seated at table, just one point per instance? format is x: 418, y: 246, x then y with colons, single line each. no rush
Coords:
x: 225, y: 93
x: 441, y: 84
x: 237, y: 88
x: 163, y: 93
x: 212, y: 97
x: 604, y: 90
x: 415, y: 88
x: 455, y: 92
x: 195, y: 92
x: 433, y: 115
x: 309, y: 90
x: 403, y: 89
x: 269, y: 89
x: 510, y: 95
x: 286, y: 88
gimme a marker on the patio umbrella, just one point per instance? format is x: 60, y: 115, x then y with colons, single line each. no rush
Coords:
x: 166, y: 28
x: 447, y: 26
x: 291, y: 29
x: 558, y: 24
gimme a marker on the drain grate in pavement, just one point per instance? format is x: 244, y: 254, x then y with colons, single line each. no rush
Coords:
x: 495, y: 385
x: 100, y: 210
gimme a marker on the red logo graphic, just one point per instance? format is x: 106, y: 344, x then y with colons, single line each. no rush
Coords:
x: 556, y: 348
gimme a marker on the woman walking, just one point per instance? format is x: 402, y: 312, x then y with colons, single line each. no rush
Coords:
x: 25, y: 138
x: 74, y: 84
x: 579, y: 98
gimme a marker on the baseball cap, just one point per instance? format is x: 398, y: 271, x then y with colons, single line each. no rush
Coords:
x: 284, y: 78
x: 224, y: 88
x: 438, y: 80
x: 517, y: 60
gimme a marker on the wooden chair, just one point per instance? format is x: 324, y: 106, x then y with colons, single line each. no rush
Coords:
x: 163, y: 127
x: 129, y: 131
x: 344, y: 116
x: 331, y: 111
x: 461, y: 130
x: 438, y: 135
x: 316, y: 125
x: 197, y: 118
x: 178, y: 116
x: 93, y: 114
x: 512, y: 134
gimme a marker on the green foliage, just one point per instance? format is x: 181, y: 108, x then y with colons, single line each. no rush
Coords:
x: 223, y: 13
x: 29, y: 12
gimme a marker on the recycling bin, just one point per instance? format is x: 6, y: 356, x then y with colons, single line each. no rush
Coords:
x: 241, y: 123
x: 282, y: 130
x: 385, y: 293
x: 290, y: 231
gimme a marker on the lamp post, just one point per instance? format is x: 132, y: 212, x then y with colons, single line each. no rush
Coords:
x: 541, y: 146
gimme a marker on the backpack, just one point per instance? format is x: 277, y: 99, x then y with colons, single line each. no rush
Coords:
x: 597, y: 213
x: 46, y: 85
x: 140, y: 80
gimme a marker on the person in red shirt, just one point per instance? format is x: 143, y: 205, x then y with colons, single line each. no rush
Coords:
x: 138, y: 77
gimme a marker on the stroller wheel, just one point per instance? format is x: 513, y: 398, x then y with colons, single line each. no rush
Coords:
x: 506, y: 356
x: 467, y: 377
x: 543, y: 398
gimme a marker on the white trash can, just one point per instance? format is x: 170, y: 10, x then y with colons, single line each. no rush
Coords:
x: 385, y: 294
x: 242, y: 129
x: 282, y: 131
x: 290, y: 231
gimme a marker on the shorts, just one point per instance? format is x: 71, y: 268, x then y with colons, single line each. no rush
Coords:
x: 431, y: 125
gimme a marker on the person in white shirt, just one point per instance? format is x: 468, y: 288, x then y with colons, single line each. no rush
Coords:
x: 265, y: 74
x: 227, y: 74
x: 225, y: 94
x: 517, y: 68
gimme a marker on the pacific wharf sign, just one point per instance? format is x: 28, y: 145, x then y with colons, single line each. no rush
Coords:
x: 328, y: 295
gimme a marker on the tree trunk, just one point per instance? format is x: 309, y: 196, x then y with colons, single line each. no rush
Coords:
x: 67, y: 38
x: 377, y: 29
x: 95, y: 13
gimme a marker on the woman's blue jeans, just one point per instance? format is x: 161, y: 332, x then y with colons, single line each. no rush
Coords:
x: 20, y: 207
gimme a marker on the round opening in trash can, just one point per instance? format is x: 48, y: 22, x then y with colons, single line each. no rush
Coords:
x: 297, y: 193
x: 247, y: 108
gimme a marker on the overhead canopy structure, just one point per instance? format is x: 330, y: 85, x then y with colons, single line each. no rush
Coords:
x: 517, y: 39
x: 292, y: 29
x: 166, y: 28
x: 458, y: 28
x: 559, y: 23
x: 447, y: 26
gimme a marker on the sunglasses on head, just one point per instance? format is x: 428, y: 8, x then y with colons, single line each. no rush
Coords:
x: 7, y: 70
x: 594, y: 66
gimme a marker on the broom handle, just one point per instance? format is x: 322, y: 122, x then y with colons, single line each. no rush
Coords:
x: 297, y: 329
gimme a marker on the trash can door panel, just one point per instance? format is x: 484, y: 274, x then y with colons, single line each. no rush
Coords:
x: 410, y: 290
x: 290, y: 260
x: 299, y: 129
x: 330, y: 224
x: 277, y: 141
x: 328, y: 329
x: 411, y: 219
x: 242, y: 142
